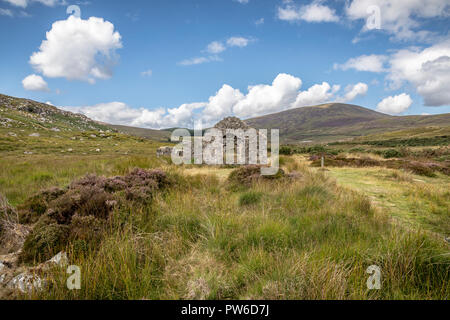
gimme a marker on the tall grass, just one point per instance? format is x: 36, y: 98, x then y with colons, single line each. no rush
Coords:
x: 302, y: 239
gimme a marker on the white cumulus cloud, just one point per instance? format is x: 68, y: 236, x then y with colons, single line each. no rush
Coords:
x: 395, y: 104
x: 317, y: 94
x: 263, y: 99
x: 221, y: 104
x: 400, y: 18
x: 6, y: 12
x: 25, y: 3
x: 353, y: 91
x: 427, y: 69
x: 372, y: 63
x: 215, y: 47
x: 34, y: 83
x: 78, y: 49
x: 282, y: 94
x: 121, y: 113
x: 238, y: 42
x: 199, y: 60
x: 313, y: 12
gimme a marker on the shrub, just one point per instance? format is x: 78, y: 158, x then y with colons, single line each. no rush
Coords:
x: 343, y: 162
x: 246, y: 175
x: 37, y: 205
x: 357, y: 150
x: 391, y: 153
x: 78, y: 215
x: 44, y: 242
x: 421, y: 169
x: 250, y: 198
x: 286, y: 151
x: 86, y: 233
x: 394, y: 153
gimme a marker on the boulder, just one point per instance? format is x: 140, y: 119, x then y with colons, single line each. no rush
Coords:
x: 26, y: 283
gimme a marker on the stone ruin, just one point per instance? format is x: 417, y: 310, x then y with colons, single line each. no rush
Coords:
x: 230, y: 123
x: 233, y: 123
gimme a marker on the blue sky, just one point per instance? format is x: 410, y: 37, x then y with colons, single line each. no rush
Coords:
x: 162, y: 63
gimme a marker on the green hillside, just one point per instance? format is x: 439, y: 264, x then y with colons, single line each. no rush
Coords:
x: 31, y: 128
x: 31, y: 115
x: 331, y: 122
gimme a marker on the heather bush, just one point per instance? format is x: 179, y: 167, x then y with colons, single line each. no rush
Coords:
x: 246, y: 175
x: 37, y: 205
x: 46, y: 240
x: 78, y: 215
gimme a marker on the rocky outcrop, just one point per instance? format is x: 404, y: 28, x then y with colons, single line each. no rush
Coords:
x: 42, y: 113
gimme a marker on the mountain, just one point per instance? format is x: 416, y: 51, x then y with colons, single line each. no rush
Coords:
x: 323, y: 123
x: 338, y: 121
x: 31, y: 115
x: 158, y: 135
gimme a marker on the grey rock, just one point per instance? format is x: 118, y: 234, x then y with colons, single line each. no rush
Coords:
x: 26, y: 283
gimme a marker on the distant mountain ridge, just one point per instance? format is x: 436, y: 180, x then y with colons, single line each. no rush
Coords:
x: 323, y: 123
x: 338, y: 121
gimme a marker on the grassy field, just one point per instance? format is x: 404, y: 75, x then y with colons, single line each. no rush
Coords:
x: 309, y: 235
x: 418, y: 201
